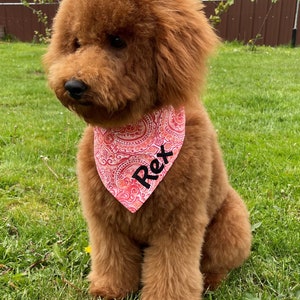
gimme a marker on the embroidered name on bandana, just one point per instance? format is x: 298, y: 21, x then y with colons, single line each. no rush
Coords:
x: 132, y: 160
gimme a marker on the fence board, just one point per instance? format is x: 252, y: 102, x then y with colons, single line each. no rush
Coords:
x: 234, y: 21
x: 246, y: 24
x: 287, y: 21
x: 272, y: 24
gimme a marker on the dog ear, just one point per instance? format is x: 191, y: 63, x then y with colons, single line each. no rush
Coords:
x: 183, y: 42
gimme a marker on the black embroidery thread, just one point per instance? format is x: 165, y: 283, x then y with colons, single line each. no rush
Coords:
x: 155, y: 167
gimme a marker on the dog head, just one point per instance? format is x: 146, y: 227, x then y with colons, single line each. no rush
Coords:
x: 111, y: 61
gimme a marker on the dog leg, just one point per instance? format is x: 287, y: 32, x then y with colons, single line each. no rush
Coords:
x: 116, y: 263
x: 171, y: 267
x: 227, y: 241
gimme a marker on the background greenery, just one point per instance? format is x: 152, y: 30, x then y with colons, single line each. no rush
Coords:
x: 253, y: 99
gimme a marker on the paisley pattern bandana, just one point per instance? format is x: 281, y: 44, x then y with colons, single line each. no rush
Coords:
x: 132, y: 160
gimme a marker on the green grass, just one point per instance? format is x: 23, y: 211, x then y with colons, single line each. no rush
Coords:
x: 254, y: 101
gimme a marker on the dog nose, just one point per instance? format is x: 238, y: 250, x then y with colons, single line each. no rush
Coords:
x: 76, y: 88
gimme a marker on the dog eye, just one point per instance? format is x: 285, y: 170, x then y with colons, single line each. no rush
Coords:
x: 116, y: 42
x: 76, y: 44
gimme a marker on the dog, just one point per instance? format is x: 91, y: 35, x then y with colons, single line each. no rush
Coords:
x: 161, y: 213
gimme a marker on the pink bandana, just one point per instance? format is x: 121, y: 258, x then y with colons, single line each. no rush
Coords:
x: 132, y: 160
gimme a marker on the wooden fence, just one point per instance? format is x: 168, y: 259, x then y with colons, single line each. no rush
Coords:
x: 271, y: 23
x: 19, y: 22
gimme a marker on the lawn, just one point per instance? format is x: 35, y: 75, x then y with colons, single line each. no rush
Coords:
x: 253, y: 98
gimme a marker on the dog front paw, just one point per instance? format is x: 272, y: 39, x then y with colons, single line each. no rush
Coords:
x: 107, y: 292
x: 109, y: 288
x: 213, y: 280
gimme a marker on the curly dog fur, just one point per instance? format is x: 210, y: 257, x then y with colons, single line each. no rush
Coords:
x: 134, y: 57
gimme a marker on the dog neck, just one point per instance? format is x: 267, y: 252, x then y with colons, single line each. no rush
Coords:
x: 132, y: 160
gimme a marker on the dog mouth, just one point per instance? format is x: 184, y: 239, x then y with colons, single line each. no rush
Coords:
x: 82, y: 102
x: 94, y: 107
x: 72, y: 100
x: 91, y: 107
x: 77, y: 93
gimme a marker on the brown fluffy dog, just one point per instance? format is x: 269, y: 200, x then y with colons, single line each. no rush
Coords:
x: 112, y: 62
